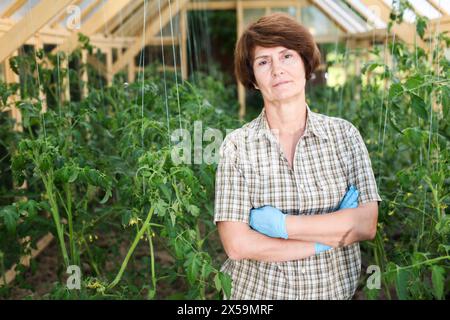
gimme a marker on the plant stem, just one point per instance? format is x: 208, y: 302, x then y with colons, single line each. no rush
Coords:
x: 131, y: 250
x: 75, y: 258
x: 56, y: 218
x: 152, y: 257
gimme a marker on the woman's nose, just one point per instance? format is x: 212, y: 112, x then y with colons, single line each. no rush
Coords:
x: 276, y: 70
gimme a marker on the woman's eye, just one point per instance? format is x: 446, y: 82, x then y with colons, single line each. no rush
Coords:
x: 262, y: 63
x: 288, y: 55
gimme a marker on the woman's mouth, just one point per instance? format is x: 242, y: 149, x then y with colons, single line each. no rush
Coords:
x: 280, y: 83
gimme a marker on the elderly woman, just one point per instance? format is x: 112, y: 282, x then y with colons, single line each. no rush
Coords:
x: 295, y: 190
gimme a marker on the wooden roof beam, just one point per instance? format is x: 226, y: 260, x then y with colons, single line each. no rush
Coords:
x: 152, y: 28
x: 126, y: 15
x: 31, y: 23
x: 438, y: 7
x: 12, y: 8
x: 61, y: 17
x: 107, y: 11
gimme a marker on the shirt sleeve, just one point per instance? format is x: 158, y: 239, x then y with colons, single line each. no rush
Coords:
x: 232, y: 200
x: 359, y: 168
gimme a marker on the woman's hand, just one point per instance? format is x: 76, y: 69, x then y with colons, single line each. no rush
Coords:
x: 350, y: 199
x: 269, y: 221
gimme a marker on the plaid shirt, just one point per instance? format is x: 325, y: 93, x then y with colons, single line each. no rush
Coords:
x: 253, y: 171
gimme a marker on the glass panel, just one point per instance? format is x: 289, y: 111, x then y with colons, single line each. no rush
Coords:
x: 251, y: 15
x: 317, y: 22
x: 425, y: 9
x: 352, y: 17
x: 167, y: 30
x: 290, y: 10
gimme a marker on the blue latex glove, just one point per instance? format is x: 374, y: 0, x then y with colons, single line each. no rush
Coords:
x: 350, y: 199
x: 319, y: 247
x: 269, y: 221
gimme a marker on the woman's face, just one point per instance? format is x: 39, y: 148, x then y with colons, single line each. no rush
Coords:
x: 279, y: 73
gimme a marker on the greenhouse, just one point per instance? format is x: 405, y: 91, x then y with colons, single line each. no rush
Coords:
x: 135, y: 162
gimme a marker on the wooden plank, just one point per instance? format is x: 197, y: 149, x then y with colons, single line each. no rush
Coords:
x: 11, y: 77
x: 268, y: 3
x: 134, y: 25
x: 124, y: 16
x: 438, y: 25
x: 34, y: 20
x: 43, y: 243
x: 93, y: 24
x: 131, y: 71
x: 438, y: 6
x: 90, y: 8
x: 152, y: 28
x: 131, y: 22
x: 49, y: 35
x: 240, y: 86
x: 183, y: 40
x: 84, y: 74
x: 62, y: 16
x: 212, y: 5
x: 13, y: 7
x: 109, y: 62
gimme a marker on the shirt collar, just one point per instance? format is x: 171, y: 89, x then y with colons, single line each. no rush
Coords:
x: 314, y: 125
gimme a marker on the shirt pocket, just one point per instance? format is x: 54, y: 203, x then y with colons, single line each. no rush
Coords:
x: 331, y: 189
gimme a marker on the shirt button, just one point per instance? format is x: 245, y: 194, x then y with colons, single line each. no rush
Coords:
x: 303, y: 270
x: 301, y: 185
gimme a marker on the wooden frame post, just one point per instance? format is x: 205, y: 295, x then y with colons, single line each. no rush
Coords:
x: 11, y: 77
x: 84, y: 74
x: 109, y: 64
x: 183, y: 44
x: 240, y: 86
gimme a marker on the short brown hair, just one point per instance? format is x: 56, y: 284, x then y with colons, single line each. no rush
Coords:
x: 276, y: 29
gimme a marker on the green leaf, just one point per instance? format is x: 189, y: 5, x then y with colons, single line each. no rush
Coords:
x: 393, y: 122
x: 395, y: 90
x: 217, y: 282
x: 193, y: 264
x: 421, y: 26
x: 370, y: 66
x: 161, y: 207
x: 437, y: 278
x: 402, y: 283
x: 194, y: 210
x: 126, y: 217
x: 414, y: 82
x: 73, y: 174
x: 419, y: 106
x: 10, y: 217
x: 414, y: 136
x: 173, y: 217
x: 166, y: 191
x: 225, y: 281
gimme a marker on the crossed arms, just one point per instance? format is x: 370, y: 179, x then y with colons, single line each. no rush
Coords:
x: 337, y: 229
